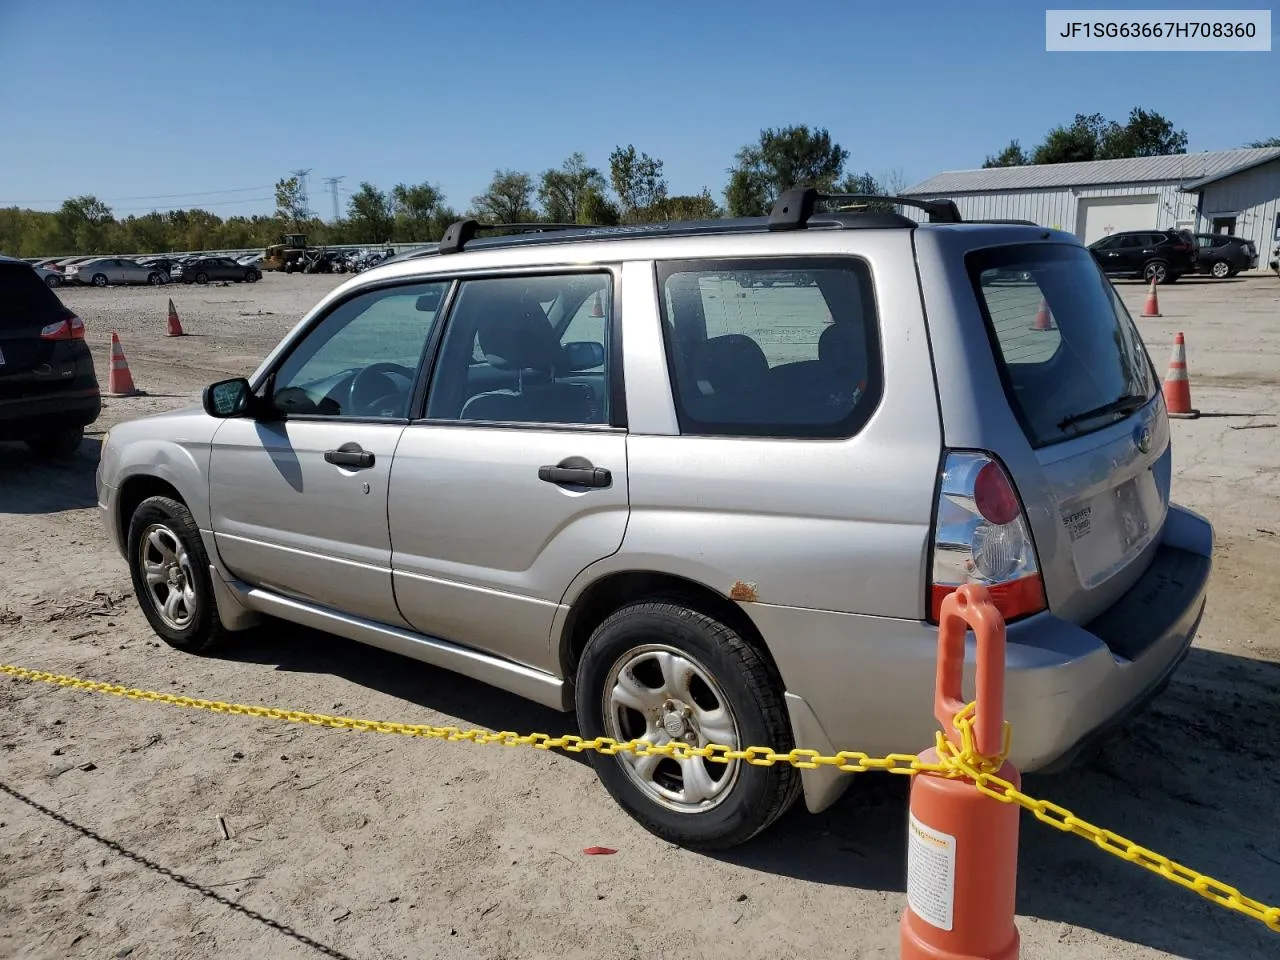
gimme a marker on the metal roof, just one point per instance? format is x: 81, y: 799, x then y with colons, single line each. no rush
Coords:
x: 1189, y: 169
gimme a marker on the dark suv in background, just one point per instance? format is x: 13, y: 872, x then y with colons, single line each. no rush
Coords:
x: 48, y: 387
x: 1160, y: 255
x: 1222, y: 255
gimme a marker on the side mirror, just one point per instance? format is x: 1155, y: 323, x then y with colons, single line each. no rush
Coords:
x: 228, y: 398
x: 584, y: 354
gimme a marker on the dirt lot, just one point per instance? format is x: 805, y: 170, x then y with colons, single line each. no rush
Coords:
x: 365, y: 846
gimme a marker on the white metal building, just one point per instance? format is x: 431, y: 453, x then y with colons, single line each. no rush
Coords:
x: 1229, y: 191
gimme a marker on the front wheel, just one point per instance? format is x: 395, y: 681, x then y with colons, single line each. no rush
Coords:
x: 170, y: 572
x: 202, y: 278
x: 154, y: 279
x: 660, y: 671
x: 1220, y: 270
x: 53, y: 281
x: 99, y: 280
x: 253, y: 276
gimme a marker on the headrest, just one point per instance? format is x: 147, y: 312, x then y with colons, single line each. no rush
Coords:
x: 840, y: 343
x: 733, y: 361
x: 515, y: 336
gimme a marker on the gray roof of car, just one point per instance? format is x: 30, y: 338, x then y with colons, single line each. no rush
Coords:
x: 1191, y: 169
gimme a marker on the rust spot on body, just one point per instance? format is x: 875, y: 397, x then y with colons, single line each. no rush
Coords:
x: 746, y: 592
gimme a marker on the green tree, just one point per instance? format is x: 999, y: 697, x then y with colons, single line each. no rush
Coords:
x: 1146, y: 134
x: 369, y: 213
x: 290, y: 204
x: 413, y: 209
x: 566, y: 193
x: 697, y: 206
x: 638, y: 182
x: 85, y: 224
x: 1269, y: 142
x: 783, y: 158
x: 509, y: 198
x: 1011, y: 156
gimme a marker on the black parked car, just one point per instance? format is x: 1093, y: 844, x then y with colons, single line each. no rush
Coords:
x: 48, y: 387
x: 1222, y: 255
x: 1160, y: 255
x: 204, y: 269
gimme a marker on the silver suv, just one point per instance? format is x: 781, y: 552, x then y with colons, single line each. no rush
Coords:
x: 698, y: 481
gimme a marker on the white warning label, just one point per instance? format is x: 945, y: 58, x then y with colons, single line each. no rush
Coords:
x: 931, y: 874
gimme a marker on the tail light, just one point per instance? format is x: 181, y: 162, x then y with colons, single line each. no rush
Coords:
x: 71, y: 328
x: 981, y: 535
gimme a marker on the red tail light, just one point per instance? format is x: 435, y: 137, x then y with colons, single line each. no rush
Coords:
x: 981, y: 535
x: 70, y: 329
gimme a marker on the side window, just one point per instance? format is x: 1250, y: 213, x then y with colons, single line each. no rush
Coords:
x: 771, y: 347
x: 361, y: 360
x: 1133, y: 240
x: 1106, y: 243
x: 526, y: 350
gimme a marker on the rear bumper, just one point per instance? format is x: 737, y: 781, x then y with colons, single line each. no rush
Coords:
x: 23, y: 417
x: 864, y: 683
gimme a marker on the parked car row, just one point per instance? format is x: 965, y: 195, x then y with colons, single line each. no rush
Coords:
x: 1168, y: 255
x: 107, y: 271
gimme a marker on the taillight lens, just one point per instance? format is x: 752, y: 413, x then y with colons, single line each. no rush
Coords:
x: 70, y: 329
x: 982, y: 536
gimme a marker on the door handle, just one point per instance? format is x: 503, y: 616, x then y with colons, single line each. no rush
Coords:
x: 577, y: 471
x: 349, y: 455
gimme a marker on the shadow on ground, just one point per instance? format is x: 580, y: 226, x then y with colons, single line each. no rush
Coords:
x: 1193, y: 777
x: 31, y: 484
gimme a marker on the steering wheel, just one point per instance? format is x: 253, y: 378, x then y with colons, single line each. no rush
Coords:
x: 372, y: 388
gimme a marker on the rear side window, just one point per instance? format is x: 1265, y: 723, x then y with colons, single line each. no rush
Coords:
x: 1069, y: 354
x: 782, y: 348
x: 25, y: 299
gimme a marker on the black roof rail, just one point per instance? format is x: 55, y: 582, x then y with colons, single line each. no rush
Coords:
x: 462, y: 232
x: 795, y: 207
x: 1025, y: 223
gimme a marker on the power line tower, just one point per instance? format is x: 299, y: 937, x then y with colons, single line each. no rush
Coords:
x: 332, y: 184
x: 302, y: 188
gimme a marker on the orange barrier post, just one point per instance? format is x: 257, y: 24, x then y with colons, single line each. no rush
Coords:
x: 962, y: 846
x: 597, y: 307
x: 1044, y: 319
x: 175, y: 325
x: 119, y: 379
x: 1177, y: 388
x: 1152, y: 307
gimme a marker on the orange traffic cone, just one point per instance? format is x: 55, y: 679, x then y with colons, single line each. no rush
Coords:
x: 1044, y: 319
x: 597, y: 308
x: 1152, y: 307
x: 1177, y: 388
x: 175, y: 325
x: 119, y: 379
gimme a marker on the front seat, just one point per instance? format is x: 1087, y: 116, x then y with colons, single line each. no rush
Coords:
x: 516, y: 337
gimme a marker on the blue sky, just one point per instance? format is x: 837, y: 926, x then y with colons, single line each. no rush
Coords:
x: 140, y: 102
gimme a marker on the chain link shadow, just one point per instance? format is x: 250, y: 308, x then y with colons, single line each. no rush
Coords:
x: 178, y: 878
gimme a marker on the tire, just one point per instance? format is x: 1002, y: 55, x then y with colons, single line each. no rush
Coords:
x: 253, y: 276
x: 1220, y: 270
x: 53, y: 281
x: 154, y: 279
x: 99, y: 280
x: 202, y: 278
x: 57, y: 443
x: 164, y: 536
x: 744, y: 799
x: 1157, y: 270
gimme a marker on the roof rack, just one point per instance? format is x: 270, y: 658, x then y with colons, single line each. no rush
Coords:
x: 462, y: 232
x: 795, y: 207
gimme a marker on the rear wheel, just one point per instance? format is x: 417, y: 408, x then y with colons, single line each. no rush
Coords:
x: 53, y: 281
x: 170, y: 572
x: 202, y: 278
x: 1220, y: 270
x: 253, y: 276
x: 55, y: 443
x: 154, y: 279
x: 1156, y: 270
x: 660, y: 671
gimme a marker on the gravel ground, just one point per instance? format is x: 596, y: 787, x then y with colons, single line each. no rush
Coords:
x: 368, y: 846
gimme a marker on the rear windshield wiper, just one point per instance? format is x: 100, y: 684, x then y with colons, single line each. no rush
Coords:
x: 1126, y: 404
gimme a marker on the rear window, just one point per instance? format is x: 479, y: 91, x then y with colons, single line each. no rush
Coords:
x: 25, y: 299
x: 1070, y: 357
x: 783, y: 347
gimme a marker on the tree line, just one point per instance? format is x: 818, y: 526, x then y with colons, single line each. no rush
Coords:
x: 631, y: 188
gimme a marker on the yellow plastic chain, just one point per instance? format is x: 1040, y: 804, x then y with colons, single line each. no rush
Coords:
x: 954, y: 761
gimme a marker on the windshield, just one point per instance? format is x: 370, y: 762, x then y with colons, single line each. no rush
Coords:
x: 1071, y: 359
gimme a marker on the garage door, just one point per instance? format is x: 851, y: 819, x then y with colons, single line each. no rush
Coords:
x: 1099, y: 217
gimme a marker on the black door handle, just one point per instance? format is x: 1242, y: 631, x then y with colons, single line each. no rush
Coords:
x: 577, y: 471
x: 349, y: 455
